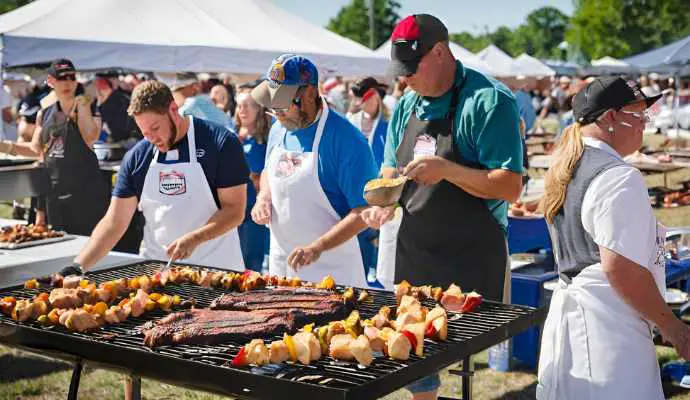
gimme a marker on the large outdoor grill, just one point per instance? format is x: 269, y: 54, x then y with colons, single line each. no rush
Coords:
x: 208, y: 367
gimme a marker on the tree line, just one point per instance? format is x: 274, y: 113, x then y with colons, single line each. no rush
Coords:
x: 597, y: 28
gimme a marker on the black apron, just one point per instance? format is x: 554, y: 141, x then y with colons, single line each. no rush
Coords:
x: 447, y: 235
x: 79, y: 197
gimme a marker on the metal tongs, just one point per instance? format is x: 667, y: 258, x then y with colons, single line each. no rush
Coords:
x: 167, y: 266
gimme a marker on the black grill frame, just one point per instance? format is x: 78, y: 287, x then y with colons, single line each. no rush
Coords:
x: 208, y: 367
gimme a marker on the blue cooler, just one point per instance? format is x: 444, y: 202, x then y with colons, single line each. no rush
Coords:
x: 527, y: 289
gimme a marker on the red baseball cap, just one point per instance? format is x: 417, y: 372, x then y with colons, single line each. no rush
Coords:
x: 411, y: 39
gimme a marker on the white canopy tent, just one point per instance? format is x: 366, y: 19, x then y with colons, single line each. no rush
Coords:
x: 465, y: 56
x: 528, y: 66
x: 240, y: 36
x: 609, y: 62
x: 497, y: 59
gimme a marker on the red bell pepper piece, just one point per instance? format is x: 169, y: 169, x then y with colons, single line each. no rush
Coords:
x: 430, y: 330
x: 156, y: 279
x: 411, y: 337
x: 472, y: 301
x: 240, y: 359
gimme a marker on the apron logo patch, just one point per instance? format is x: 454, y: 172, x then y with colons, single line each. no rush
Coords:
x: 57, y: 148
x: 424, y: 145
x: 288, y: 164
x: 172, y: 183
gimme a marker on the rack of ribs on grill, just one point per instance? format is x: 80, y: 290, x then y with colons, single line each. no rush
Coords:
x: 247, y: 315
x: 203, y: 326
x: 313, y: 305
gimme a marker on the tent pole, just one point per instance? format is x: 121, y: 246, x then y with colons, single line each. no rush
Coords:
x: 676, y: 100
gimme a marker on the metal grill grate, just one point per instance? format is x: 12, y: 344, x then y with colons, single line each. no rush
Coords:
x: 208, y: 366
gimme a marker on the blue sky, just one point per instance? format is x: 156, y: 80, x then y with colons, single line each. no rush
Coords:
x: 459, y: 15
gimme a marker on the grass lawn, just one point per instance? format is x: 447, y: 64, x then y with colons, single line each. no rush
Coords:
x: 25, y: 376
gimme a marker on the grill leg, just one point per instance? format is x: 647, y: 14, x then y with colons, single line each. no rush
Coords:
x: 133, y: 387
x: 74, y: 383
x: 466, y: 374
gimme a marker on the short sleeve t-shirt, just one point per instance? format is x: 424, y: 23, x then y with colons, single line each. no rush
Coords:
x: 217, y: 149
x: 611, y: 198
x: 345, y: 160
x: 202, y: 107
x: 114, y: 115
x: 30, y: 104
x: 524, y: 103
x: 487, y: 125
x: 255, y: 154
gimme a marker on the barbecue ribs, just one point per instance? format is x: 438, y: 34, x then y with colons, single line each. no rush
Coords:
x: 248, y: 315
x: 203, y: 326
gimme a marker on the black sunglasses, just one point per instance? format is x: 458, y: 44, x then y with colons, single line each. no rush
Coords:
x: 70, y: 77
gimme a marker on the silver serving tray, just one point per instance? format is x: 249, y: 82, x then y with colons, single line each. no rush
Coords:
x: 31, y: 243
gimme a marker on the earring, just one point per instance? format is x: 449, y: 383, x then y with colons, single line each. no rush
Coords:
x: 610, y: 129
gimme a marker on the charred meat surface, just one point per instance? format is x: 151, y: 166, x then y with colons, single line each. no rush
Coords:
x: 248, y: 315
x: 203, y: 326
x: 312, y: 305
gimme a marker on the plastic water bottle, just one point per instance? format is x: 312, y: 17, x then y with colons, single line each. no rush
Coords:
x: 371, y: 275
x: 264, y: 265
x: 499, y: 356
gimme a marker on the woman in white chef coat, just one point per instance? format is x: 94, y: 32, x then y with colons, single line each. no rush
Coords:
x: 597, y: 340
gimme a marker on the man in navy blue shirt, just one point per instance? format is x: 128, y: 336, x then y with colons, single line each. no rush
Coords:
x: 188, y: 178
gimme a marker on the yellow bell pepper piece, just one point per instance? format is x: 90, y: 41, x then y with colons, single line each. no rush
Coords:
x: 155, y: 296
x: 290, y: 343
x: 150, y: 305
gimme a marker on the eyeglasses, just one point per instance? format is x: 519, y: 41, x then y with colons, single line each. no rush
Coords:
x: 642, y: 116
x: 70, y: 77
x: 297, y: 100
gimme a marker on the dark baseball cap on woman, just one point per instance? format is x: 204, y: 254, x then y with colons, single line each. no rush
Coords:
x: 607, y: 93
x: 362, y: 86
x: 411, y: 39
x: 61, y: 67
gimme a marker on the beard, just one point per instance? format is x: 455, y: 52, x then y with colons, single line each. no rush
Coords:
x: 299, y: 122
x: 173, y: 133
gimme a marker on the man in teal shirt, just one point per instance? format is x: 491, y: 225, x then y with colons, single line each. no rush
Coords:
x: 487, y: 134
x: 456, y: 136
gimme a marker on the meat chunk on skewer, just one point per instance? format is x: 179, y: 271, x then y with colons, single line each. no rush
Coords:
x: 278, y: 352
x: 340, y: 347
x: 68, y: 298
x: 361, y: 350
